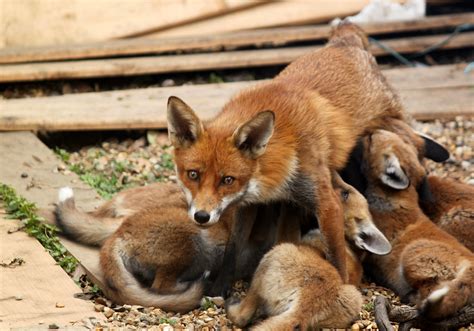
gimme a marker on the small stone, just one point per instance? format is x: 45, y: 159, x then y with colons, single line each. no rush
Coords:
x: 168, y: 82
x: 24, y: 175
x: 18, y: 298
x: 59, y: 305
x: 108, y: 312
x: 53, y: 326
x: 98, y: 307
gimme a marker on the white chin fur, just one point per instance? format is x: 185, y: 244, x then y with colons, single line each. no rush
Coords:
x: 65, y: 193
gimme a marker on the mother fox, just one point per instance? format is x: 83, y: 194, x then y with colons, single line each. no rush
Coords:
x: 281, y: 140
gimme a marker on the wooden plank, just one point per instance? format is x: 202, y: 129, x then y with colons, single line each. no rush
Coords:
x: 39, y: 282
x: 23, y: 153
x: 273, y: 13
x: 275, y: 36
x: 146, y: 108
x: 51, y: 22
x: 197, y: 62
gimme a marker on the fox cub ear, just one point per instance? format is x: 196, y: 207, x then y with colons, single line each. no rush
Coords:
x: 434, y: 150
x: 371, y: 239
x: 184, y: 127
x: 252, y: 137
x: 393, y: 174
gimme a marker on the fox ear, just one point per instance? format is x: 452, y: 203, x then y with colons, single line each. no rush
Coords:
x: 184, y: 127
x: 252, y: 137
x: 371, y: 239
x: 434, y: 150
x: 393, y: 174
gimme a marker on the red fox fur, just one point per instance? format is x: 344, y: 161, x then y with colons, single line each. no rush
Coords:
x: 450, y: 205
x: 296, y: 287
x: 150, y: 254
x: 427, y: 266
x: 280, y: 140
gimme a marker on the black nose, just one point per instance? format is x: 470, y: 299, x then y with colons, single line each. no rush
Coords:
x: 202, y: 216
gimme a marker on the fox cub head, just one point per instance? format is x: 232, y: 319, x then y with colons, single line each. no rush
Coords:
x: 391, y: 161
x: 215, y: 166
x: 359, y: 227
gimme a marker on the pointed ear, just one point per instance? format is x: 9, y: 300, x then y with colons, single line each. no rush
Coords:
x: 184, y: 127
x: 252, y: 137
x: 433, y: 150
x: 393, y: 174
x: 371, y: 239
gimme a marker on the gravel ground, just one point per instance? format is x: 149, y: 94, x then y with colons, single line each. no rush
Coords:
x: 115, y: 165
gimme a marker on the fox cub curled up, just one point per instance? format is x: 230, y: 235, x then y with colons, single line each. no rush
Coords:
x: 427, y: 266
x: 150, y: 254
x: 296, y: 287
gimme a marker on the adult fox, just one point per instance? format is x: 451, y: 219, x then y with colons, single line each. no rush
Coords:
x: 280, y: 140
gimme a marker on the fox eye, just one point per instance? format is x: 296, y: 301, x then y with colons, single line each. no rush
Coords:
x: 228, y: 180
x: 193, y: 174
x: 345, y: 195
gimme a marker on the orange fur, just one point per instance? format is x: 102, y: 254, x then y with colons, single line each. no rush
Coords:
x: 427, y: 266
x: 322, y: 103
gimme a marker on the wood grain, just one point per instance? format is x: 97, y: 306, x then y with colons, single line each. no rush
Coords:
x: 39, y: 282
x: 52, y: 22
x: 199, y: 62
x: 214, y: 42
x: 427, y: 93
x: 22, y: 152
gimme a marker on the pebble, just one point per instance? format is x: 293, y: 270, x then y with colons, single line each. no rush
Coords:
x: 59, y: 305
x: 108, y: 312
x: 168, y: 82
x: 99, y: 307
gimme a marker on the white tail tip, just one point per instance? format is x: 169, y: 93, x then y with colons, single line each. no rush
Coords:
x: 65, y: 193
x: 438, y: 294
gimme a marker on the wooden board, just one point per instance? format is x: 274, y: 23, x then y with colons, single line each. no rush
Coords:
x: 273, y: 13
x: 428, y: 93
x: 275, y: 36
x: 53, y: 22
x: 199, y: 62
x: 41, y: 284
x: 23, y: 153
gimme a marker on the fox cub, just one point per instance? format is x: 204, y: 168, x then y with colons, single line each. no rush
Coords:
x: 427, y: 266
x: 150, y: 254
x: 297, y: 287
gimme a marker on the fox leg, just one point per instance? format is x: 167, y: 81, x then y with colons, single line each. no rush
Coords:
x: 288, y: 320
x: 240, y: 313
x: 242, y: 227
x: 330, y: 219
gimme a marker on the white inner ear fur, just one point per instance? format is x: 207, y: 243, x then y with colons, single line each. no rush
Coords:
x: 394, y: 176
x: 183, y: 124
x: 255, y: 133
x: 371, y: 239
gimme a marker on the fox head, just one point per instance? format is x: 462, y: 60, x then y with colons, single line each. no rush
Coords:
x: 358, y: 225
x: 214, y: 165
x: 392, y: 161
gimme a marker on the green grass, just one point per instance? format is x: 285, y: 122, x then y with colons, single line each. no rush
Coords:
x: 19, y: 208
x: 368, y: 306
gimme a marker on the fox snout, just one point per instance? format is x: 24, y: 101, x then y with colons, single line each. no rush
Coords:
x: 202, y: 216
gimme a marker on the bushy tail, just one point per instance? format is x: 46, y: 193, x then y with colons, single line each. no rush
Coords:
x: 82, y: 227
x: 349, y: 34
x: 452, y: 295
x: 122, y: 287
